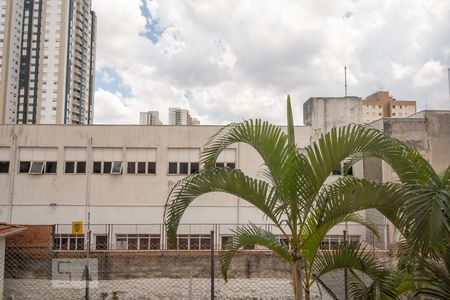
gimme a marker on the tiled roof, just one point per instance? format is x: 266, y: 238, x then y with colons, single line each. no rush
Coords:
x: 8, y: 229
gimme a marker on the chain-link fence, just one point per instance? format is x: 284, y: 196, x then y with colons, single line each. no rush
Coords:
x: 142, y: 266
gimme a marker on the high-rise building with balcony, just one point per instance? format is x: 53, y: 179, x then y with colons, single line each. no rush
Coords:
x: 149, y: 118
x: 178, y: 116
x: 47, y: 61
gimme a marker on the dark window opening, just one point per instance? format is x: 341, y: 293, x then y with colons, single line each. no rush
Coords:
x: 81, y: 167
x: 220, y: 165
x: 50, y: 167
x: 151, y: 168
x: 183, y: 242
x: 4, y: 166
x: 195, y: 168
x: 131, y: 169
x: 97, y: 168
x: 173, y: 168
x: 184, y: 168
x: 337, y: 170
x: 231, y: 165
x: 350, y: 171
x: 24, y: 166
x: 107, y: 167
x: 101, y: 242
x: 141, y: 168
x: 70, y: 167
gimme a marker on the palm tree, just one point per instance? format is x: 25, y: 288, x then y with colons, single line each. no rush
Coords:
x: 294, y: 195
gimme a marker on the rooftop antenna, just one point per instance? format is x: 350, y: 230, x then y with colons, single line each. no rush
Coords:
x: 345, y: 79
x: 449, y: 83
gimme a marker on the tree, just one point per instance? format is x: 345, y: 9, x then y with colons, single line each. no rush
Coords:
x: 294, y: 194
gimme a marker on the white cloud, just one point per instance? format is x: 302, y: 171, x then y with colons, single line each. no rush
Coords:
x: 240, y: 59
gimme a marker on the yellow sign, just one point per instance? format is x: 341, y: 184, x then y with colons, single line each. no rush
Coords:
x: 77, y: 227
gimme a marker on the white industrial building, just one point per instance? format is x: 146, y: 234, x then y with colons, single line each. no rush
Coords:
x: 121, y: 175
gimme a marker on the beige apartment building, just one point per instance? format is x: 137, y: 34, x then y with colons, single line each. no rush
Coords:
x: 382, y: 105
x: 47, y: 61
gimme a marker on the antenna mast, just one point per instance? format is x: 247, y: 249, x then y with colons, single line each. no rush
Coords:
x: 345, y: 79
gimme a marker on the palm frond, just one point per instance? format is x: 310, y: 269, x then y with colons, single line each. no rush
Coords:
x: 424, y: 218
x: 231, y: 181
x: 251, y: 235
x: 351, y: 257
x: 314, y: 233
x: 435, y: 277
x: 282, y: 159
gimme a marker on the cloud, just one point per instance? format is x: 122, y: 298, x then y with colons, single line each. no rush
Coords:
x: 226, y: 61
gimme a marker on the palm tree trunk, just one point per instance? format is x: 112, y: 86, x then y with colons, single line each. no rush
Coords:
x: 297, y: 278
x: 307, y: 294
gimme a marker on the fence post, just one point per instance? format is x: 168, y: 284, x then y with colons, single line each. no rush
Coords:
x: 345, y: 270
x: 212, y: 264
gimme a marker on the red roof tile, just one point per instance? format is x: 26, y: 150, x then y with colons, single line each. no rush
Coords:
x: 6, y: 229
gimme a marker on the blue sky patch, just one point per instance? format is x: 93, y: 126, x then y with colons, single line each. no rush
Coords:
x: 107, y: 78
x: 153, y: 27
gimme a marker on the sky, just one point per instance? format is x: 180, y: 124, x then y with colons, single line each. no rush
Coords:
x: 227, y: 61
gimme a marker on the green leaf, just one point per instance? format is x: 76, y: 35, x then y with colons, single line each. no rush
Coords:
x: 251, y: 235
x: 231, y: 181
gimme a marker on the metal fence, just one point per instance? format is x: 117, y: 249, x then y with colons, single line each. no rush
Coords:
x: 135, y: 262
x: 120, y: 237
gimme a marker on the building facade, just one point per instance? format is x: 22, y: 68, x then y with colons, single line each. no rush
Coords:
x: 149, y: 118
x: 382, y: 105
x: 178, y: 116
x: 47, y: 61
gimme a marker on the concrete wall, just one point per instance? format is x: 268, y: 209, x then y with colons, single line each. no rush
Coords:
x: 322, y: 114
x: 428, y: 132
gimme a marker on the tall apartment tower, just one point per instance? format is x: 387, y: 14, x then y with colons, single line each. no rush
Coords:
x: 149, y: 118
x: 178, y: 116
x: 47, y: 61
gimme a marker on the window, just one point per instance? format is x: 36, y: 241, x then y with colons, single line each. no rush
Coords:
x: 50, y: 167
x: 4, y: 166
x: 75, y: 167
x: 97, y: 167
x: 333, y: 241
x: 107, y: 167
x: 226, y: 165
x: 131, y: 169
x: 66, y: 242
x: 227, y: 159
x: 24, y: 166
x: 81, y: 167
x: 337, y: 170
x: 183, y: 161
x: 173, y: 168
x: 101, y: 242
x: 138, y: 241
x: 193, y: 242
x: 107, y: 160
x: 183, y: 168
x: 151, y: 168
x: 37, y: 167
x: 38, y: 160
x: 116, y: 168
x: 141, y: 167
